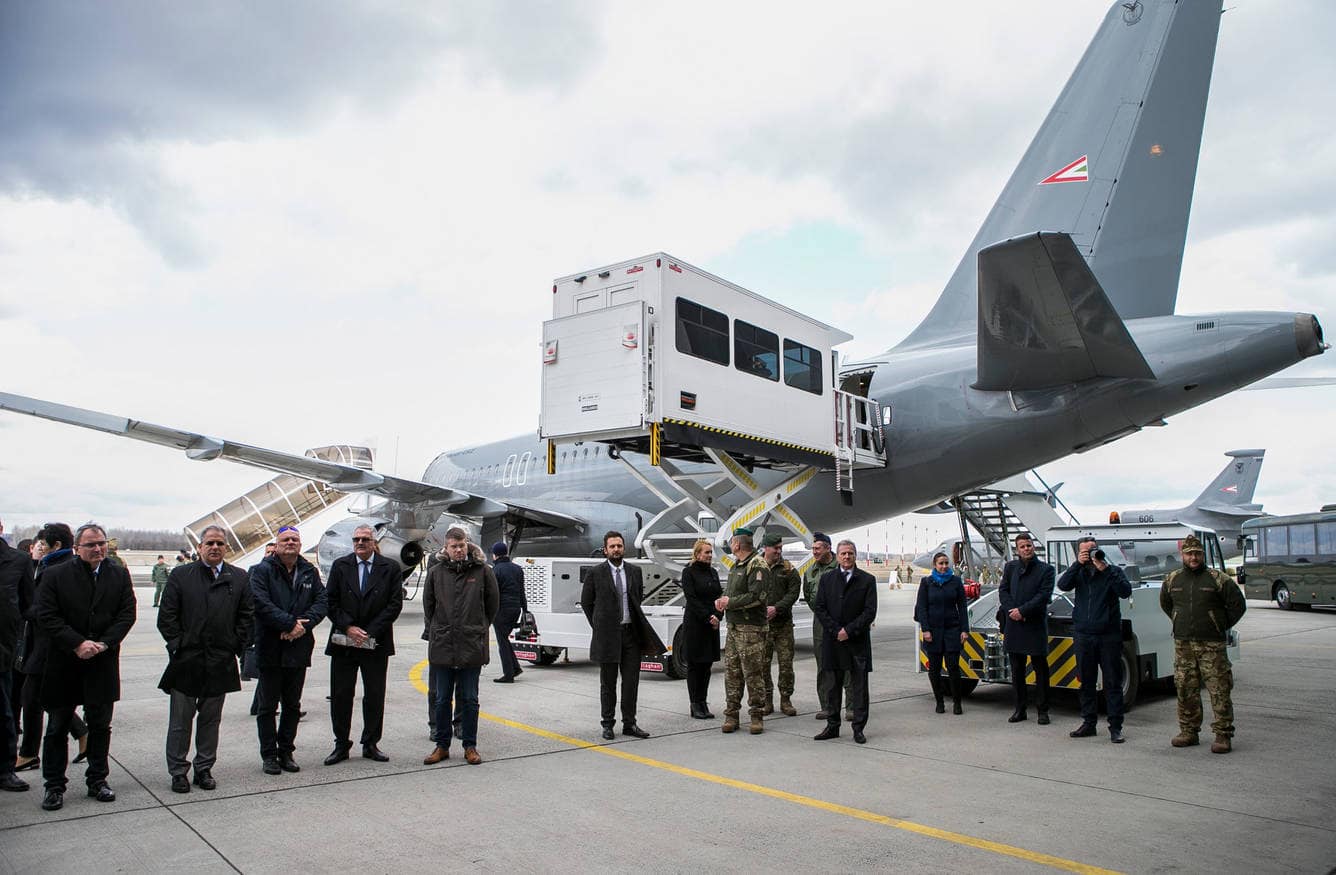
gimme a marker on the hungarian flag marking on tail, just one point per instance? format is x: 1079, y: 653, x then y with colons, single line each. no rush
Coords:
x: 1077, y: 171
x: 1233, y: 490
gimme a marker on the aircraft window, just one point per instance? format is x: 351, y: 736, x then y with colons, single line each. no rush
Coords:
x: 702, y: 332
x: 755, y: 350
x: 596, y: 449
x: 522, y: 469
x: 1301, y: 540
x: 1275, y: 541
x: 1326, y: 538
x: 802, y: 367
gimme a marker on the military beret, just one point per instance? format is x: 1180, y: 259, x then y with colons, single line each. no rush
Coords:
x: 821, y: 536
x: 743, y: 531
x: 1192, y: 544
x: 772, y: 539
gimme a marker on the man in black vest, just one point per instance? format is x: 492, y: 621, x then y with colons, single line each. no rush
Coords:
x: 365, y: 598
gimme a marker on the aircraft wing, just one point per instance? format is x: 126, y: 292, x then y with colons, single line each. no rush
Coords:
x: 346, y: 478
x: 544, y: 516
x: 1289, y: 383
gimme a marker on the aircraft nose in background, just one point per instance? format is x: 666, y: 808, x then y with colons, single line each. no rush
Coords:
x: 1308, y: 335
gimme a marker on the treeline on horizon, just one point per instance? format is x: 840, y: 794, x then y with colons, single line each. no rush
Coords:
x: 126, y: 539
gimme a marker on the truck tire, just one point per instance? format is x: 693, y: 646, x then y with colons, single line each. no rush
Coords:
x: 675, y: 666
x: 548, y: 655
x: 1281, y: 593
x: 1131, y: 674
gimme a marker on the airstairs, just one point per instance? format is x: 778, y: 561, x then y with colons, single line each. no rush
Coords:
x: 1002, y: 511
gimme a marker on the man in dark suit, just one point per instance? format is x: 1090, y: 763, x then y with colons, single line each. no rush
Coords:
x: 85, y: 608
x: 365, y: 598
x: 611, y: 598
x: 204, y: 615
x: 16, y: 589
x: 1026, y: 590
x: 845, y: 606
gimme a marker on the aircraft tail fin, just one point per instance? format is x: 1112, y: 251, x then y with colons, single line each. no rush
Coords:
x: 1113, y: 164
x: 1044, y: 320
x: 1234, y: 486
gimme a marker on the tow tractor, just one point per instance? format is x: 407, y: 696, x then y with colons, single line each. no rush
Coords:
x: 1146, y: 553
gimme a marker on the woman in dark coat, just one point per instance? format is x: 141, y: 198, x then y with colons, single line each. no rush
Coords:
x: 945, y: 624
x: 700, y: 625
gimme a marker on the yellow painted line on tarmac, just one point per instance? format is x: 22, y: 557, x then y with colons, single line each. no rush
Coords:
x: 415, y: 676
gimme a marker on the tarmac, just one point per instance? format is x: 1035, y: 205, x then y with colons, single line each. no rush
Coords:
x: 946, y: 792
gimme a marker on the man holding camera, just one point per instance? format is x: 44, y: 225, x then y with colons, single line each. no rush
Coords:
x: 1098, y: 626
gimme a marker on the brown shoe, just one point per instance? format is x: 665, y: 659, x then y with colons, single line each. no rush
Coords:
x: 440, y: 753
x: 1184, y: 739
x: 730, y: 723
x: 786, y: 707
x: 757, y: 726
x: 1222, y: 744
x: 471, y: 756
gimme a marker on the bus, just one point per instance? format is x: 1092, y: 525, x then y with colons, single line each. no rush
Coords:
x: 1291, y: 559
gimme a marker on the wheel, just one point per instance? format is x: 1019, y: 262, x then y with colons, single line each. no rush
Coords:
x: 1131, y: 674
x: 1282, y: 594
x: 548, y: 655
x: 675, y: 666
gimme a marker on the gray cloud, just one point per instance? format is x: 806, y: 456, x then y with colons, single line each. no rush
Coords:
x: 87, y: 88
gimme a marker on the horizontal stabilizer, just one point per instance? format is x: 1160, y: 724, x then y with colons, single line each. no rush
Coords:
x: 1246, y: 511
x: 1044, y: 320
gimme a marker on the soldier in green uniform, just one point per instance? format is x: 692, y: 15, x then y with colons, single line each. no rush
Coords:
x: 784, y: 587
x: 160, y: 574
x: 823, y: 560
x: 743, y: 604
x: 1203, y: 605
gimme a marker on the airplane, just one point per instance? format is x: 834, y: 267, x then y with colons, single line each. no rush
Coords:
x: 1056, y: 334
x: 1222, y: 506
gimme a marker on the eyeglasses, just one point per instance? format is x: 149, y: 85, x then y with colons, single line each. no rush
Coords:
x: 214, y: 544
x: 91, y: 545
x: 363, y: 540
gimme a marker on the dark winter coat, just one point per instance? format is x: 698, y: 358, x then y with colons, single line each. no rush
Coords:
x: 1029, y: 588
x: 373, y: 611
x: 15, y: 593
x: 207, y: 625
x: 849, y: 606
x: 281, y: 600
x: 36, y: 645
x: 603, y: 609
x: 701, y: 587
x: 510, y: 582
x: 458, y: 604
x: 942, y: 610
x: 1095, y: 610
x: 71, y: 609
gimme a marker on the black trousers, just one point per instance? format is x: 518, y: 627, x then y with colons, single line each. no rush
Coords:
x: 56, y: 744
x: 343, y: 669
x: 510, y: 666
x: 33, y: 715
x: 698, y: 681
x: 952, y: 660
x: 9, y: 731
x: 629, y: 667
x: 1100, y: 653
x: 1018, y: 684
x: 834, y: 680
x: 279, y: 684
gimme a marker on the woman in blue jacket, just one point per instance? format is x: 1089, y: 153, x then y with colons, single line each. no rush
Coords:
x: 944, y: 625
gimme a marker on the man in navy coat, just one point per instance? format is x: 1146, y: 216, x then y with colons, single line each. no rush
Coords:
x: 845, y: 606
x: 1026, y: 590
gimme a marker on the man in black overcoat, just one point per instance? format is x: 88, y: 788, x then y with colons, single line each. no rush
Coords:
x: 1026, y: 590
x: 85, y: 608
x: 365, y: 595
x: 16, y: 590
x: 205, y: 618
x: 611, y: 597
x: 845, y: 606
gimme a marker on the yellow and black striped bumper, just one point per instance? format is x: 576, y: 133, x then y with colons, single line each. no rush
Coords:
x: 974, y: 664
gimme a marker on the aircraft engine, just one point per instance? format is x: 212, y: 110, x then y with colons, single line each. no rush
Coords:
x: 402, y: 548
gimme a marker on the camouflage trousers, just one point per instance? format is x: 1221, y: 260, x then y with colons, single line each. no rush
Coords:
x: 1200, y: 664
x: 779, y: 641
x: 744, y: 664
x: 817, y: 633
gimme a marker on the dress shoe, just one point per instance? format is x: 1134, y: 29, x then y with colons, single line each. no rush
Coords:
x: 608, y: 734
x: 438, y: 754
x: 204, y: 780
x: 956, y: 709
x: 1017, y: 716
x: 339, y: 754
x: 1222, y: 744
x: 504, y: 679
x: 471, y: 756
x: 822, y: 715
x: 54, y: 800
x: 635, y: 731
x: 859, y: 737
x: 786, y: 707
x: 828, y: 733
x: 730, y: 723
x: 83, y: 749
x: 371, y: 752
x: 1116, y: 736
x: 23, y: 764
x: 180, y: 784
x: 272, y: 766
x: 698, y: 711
x: 1043, y: 719
x: 1085, y: 730
x: 941, y: 707
x: 11, y: 782
x: 288, y: 764
x: 1185, y: 739
x: 101, y: 792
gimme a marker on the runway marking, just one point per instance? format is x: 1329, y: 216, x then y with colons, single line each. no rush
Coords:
x: 415, y: 676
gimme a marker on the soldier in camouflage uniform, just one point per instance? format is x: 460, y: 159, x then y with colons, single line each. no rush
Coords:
x: 784, y: 587
x: 743, y: 604
x: 1203, y: 604
x: 823, y: 560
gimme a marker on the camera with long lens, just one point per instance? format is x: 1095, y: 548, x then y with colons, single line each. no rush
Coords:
x: 1098, y: 554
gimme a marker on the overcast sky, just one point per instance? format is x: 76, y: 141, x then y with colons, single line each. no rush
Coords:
x: 295, y: 224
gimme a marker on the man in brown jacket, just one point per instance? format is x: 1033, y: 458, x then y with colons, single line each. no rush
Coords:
x: 458, y: 604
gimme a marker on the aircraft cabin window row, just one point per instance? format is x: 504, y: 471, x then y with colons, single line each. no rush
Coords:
x: 703, y: 333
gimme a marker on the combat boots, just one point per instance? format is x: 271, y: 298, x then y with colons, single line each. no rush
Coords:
x: 786, y: 707
x: 730, y: 723
x: 1222, y: 744
x: 1184, y: 739
x: 757, y: 725
x: 769, y: 704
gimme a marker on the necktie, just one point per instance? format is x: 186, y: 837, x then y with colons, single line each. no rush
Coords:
x: 214, y: 569
x: 366, y: 572
x: 621, y: 590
